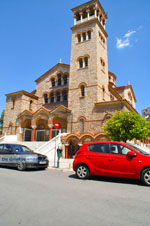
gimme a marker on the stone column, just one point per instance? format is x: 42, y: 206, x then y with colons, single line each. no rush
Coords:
x: 81, y: 16
x: 33, y: 133
x: 67, y: 154
x: 50, y: 131
x: 95, y: 12
x: 83, y: 62
x: 99, y: 16
x: 61, y: 97
x: 75, y: 19
x: 88, y: 13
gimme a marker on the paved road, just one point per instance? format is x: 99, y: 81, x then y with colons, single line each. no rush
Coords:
x: 56, y: 198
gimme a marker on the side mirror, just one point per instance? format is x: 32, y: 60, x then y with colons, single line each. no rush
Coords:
x: 131, y: 154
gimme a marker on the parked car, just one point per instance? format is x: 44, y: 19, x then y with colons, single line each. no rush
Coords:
x: 21, y: 157
x: 113, y: 159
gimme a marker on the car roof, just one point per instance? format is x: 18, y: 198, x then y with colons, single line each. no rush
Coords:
x: 106, y: 142
x: 14, y: 144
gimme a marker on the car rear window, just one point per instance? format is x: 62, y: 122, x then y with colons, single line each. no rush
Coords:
x: 99, y: 148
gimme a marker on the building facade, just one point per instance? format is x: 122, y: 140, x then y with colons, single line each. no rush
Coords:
x: 81, y: 96
x: 146, y: 113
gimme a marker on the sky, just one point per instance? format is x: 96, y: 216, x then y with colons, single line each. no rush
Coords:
x: 35, y: 35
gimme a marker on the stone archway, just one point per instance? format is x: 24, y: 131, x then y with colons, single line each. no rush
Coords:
x: 73, y: 147
x: 42, y: 129
x: 63, y: 125
x: 101, y: 138
x: 26, y: 129
x: 62, y: 121
x: 86, y: 139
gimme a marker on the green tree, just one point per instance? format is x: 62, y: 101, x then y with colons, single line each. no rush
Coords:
x: 125, y: 126
x: 1, y: 122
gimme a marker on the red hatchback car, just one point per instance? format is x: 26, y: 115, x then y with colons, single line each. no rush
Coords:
x: 113, y: 159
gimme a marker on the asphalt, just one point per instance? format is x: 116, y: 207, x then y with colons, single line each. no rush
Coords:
x: 58, y: 198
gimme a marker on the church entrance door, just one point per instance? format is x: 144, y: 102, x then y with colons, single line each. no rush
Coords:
x: 42, y: 135
x: 27, y: 134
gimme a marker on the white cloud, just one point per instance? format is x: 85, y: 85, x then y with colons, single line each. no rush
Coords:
x: 122, y: 43
x: 125, y: 40
x: 129, y: 33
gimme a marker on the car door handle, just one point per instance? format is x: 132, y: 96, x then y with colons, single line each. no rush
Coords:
x: 111, y: 159
x: 87, y: 157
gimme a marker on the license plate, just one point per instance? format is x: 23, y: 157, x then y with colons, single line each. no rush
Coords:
x: 42, y: 162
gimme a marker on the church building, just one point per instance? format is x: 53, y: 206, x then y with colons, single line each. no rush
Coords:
x: 81, y: 96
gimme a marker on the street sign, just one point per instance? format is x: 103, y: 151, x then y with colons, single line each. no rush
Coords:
x: 56, y: 125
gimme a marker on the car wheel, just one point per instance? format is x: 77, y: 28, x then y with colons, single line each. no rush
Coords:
x: 21, y: 166
x: 145, y: 177
x: 82, y: 171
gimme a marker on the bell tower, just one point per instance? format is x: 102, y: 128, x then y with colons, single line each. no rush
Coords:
x: 88, y: 82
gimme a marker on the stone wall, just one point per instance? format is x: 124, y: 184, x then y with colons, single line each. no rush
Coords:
x: 44, y: 86
x: 15, y: 105
x: 94, y: 77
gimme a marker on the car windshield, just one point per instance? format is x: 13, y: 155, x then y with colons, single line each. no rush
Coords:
x: 138, y: 149
x: 18, y: 148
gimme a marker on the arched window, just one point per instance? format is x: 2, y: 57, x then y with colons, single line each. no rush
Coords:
x: 10, y: 128
x: 78, y: 16
x: 86, y: 61
x: 79, y: 38
x: 103, y: 90
x: 52, y: 98
x: 81, y: 63
x: 91, y: 12
x: 111, y: 97
x: 65, y: 95
x: 89, y: 35
x: 65, y: 79
x: 84, y: 36
x: 81, y: 126
x: 82, y: 91
x: 59, y: 80
x: 30, y: 105
x: 102, y: 38
x: 103, y: 64
x: 13, y: 103
x: 53, y: 82
x: 84, y: 14
x: 58, y: 96
x: 45, y: 98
